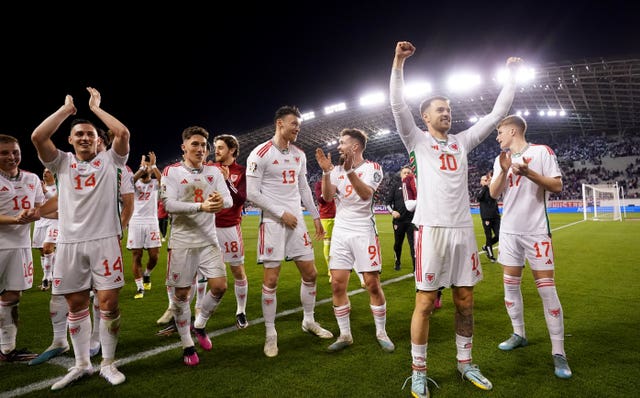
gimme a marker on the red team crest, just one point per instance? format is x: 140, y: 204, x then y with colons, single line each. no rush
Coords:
x: 430, y: 277
x: 175, y: 276
x: 57, y: 282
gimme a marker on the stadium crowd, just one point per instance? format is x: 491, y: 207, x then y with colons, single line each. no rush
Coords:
x: 581, y: 159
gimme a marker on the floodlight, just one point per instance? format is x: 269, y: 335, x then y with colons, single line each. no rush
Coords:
x: 523, y: 75
x: 308, y: 115
x: 463, y: 81
x: 335, y: 108
x: 372, y: 99
x: 417, y: 89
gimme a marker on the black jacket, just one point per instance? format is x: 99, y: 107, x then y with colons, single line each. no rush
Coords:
x: 395, y: 200
x: 488, y: 205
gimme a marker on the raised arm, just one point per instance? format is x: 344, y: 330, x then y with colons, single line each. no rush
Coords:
x: 405, y: 123
x: 484, y: 127
x: 141, y: 170
x: 120, y: 142
x: 41, y: 136
x: 327, y: 189
x: 500, y: 170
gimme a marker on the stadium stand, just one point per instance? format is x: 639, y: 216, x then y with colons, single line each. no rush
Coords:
x: 601, y: 103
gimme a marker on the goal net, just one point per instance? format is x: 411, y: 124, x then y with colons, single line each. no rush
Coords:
x: 601, y: 202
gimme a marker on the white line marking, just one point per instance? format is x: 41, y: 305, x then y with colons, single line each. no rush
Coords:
x: 68, y: 362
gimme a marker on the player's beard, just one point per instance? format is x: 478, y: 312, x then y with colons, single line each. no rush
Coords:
x: 341, y: 160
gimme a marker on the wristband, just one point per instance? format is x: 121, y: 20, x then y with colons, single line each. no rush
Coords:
x: 350, y: 171
x: 326, y: 173
x: 153, y: 166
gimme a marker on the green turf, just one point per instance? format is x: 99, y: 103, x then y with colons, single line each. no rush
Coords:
x: 597, y: 268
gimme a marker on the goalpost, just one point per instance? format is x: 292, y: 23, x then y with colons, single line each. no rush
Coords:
x: 601, y: 202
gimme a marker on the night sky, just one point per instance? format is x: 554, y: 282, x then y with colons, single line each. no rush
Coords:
x: 163, y: 70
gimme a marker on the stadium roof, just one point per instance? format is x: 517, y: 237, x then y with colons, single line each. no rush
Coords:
x: 599, y: 97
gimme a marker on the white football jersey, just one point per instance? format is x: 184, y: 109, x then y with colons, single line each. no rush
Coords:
x: 524, y: 208
x: 145, y: 202
x: 182, y: 191
x: 88, y: 193
x: 16, y: 195
x: 441, y: 167
x: 279, y: 173
x: 43, y: 222
x: 352, y: 212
